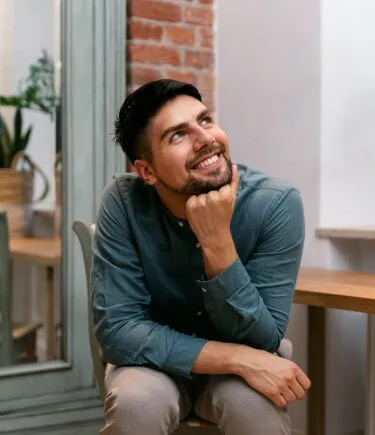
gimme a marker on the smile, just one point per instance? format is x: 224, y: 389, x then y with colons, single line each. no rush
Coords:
x: 210, y: 161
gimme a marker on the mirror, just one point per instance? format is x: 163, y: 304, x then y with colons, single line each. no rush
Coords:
x: 31, y: 315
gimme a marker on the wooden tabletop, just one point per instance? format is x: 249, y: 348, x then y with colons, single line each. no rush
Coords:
x: 36, y: 250
x: 354, y: 291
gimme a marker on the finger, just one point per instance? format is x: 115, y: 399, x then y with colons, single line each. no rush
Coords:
x: 303, y: 380
x: 212, y: 196
x: 288, y: 395
x: 280, y: 401
x: 191, y: 201
x: 298, y: 391
x: 235, y: 180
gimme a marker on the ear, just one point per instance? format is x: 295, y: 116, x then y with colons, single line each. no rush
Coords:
x: 145, y: 171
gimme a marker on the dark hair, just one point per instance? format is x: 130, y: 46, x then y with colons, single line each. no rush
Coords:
x: 142, y: 105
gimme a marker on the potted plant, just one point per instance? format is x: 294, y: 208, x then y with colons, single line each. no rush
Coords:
x: 17, y: 169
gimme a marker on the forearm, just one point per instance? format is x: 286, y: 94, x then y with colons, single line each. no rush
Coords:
x: 217, y: 358
x: 238, y: 311
x: 147, y: 343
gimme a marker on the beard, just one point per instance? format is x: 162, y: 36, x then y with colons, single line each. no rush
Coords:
x: 195, y: 185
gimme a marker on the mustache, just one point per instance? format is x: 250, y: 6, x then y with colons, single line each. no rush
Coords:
x: 219, y: 149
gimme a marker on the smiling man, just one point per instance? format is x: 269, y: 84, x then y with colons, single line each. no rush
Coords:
x: 194, y: 267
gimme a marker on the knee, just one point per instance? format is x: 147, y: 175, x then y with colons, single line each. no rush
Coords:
x: 140, y: 408
x: 236, y: 401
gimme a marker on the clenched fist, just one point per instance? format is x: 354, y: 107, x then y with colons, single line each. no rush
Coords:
x: 209, y: 216
x: 278, y: 379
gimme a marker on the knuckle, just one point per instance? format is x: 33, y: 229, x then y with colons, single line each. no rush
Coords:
x: 201, y: 200
x: 274, y: 392
x: 289, y: 377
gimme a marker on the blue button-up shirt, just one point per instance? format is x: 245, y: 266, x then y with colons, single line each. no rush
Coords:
x: 151, y: 304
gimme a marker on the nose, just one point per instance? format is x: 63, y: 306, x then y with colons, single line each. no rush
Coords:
x: 202, y: 138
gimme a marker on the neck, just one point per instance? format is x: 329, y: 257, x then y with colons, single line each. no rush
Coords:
x: 175, y: 202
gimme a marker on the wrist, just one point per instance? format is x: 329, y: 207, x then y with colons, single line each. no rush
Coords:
x: 243, y: 361
x: 219, y: 242
x: 218, y: 256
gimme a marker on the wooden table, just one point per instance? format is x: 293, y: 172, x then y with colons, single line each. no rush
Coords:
x: 321, y: 289
x: 44, y: 252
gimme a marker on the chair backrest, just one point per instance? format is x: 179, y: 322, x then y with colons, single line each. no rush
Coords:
x: 5, y: 295
x: 85, y: 234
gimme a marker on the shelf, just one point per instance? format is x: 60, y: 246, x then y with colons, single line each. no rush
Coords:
x: 356, y: 233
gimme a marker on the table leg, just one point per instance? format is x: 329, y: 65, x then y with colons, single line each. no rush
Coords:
x: 370, y: 380
x: 316, y: 370
x: 50, y: 315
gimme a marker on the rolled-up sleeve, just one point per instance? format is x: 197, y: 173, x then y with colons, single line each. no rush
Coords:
x: 120, y: 300
x: 250, y: 301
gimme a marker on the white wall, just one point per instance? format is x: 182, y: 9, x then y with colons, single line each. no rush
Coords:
x: 281, y: 84
x: 348, y: 113
x: 347, y: 185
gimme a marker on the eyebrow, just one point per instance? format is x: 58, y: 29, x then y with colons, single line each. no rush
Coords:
x: 183, y: 125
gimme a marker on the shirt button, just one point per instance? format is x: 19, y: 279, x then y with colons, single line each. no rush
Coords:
x: 181, y: 224
x: 199, y: 313
x: 198, y: 245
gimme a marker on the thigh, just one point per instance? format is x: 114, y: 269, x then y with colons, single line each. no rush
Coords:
x: 147, y: 386
x: 238, y: 409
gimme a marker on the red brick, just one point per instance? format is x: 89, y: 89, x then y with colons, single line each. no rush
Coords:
x: 206, y: 37
x: 197, y: 15
x: 180, y: 35
x: 155, y: 10
x: 199, y: 59
x: 139, y: 74
x: 144, y: 30
x: 153, y: 54
x: 182, y: 76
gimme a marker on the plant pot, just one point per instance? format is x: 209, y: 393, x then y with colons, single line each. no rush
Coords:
x: 16, y: 193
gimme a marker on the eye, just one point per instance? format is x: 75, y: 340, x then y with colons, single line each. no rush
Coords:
x: 177, y: 135
x: 207, y: 120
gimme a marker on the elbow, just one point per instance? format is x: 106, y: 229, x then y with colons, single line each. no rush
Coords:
x: 274, y: 344
x: 269, y: 342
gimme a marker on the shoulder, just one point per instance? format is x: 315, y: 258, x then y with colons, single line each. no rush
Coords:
x: 261, y: 195
x: 124, y: 189
x: 121, y: 196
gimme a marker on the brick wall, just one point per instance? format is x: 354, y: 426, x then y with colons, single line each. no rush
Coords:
x: 174, y: 39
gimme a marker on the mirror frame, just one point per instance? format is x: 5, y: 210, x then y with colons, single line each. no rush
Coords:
x: 93, y: 87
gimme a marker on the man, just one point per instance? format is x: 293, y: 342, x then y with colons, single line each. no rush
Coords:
x: 194, y: 267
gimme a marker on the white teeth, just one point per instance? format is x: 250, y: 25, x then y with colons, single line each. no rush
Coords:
x: 208, y: 162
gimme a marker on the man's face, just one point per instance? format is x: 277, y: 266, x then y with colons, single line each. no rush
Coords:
x: 189, y: 151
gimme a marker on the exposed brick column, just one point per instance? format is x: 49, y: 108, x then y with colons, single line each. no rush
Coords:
x: 173, y: 39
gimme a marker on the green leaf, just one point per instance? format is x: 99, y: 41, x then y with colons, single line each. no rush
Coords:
x: 17, y: 125
x: 26, y: 137
x: 3, y: 157
x: 5, y: 142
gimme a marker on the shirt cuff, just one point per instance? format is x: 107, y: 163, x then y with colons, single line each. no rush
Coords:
x: 183, y: 355
x: 227, y: 282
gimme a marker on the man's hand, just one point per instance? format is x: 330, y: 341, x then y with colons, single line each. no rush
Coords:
x: 209, y: 216
x: 278, y: 379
